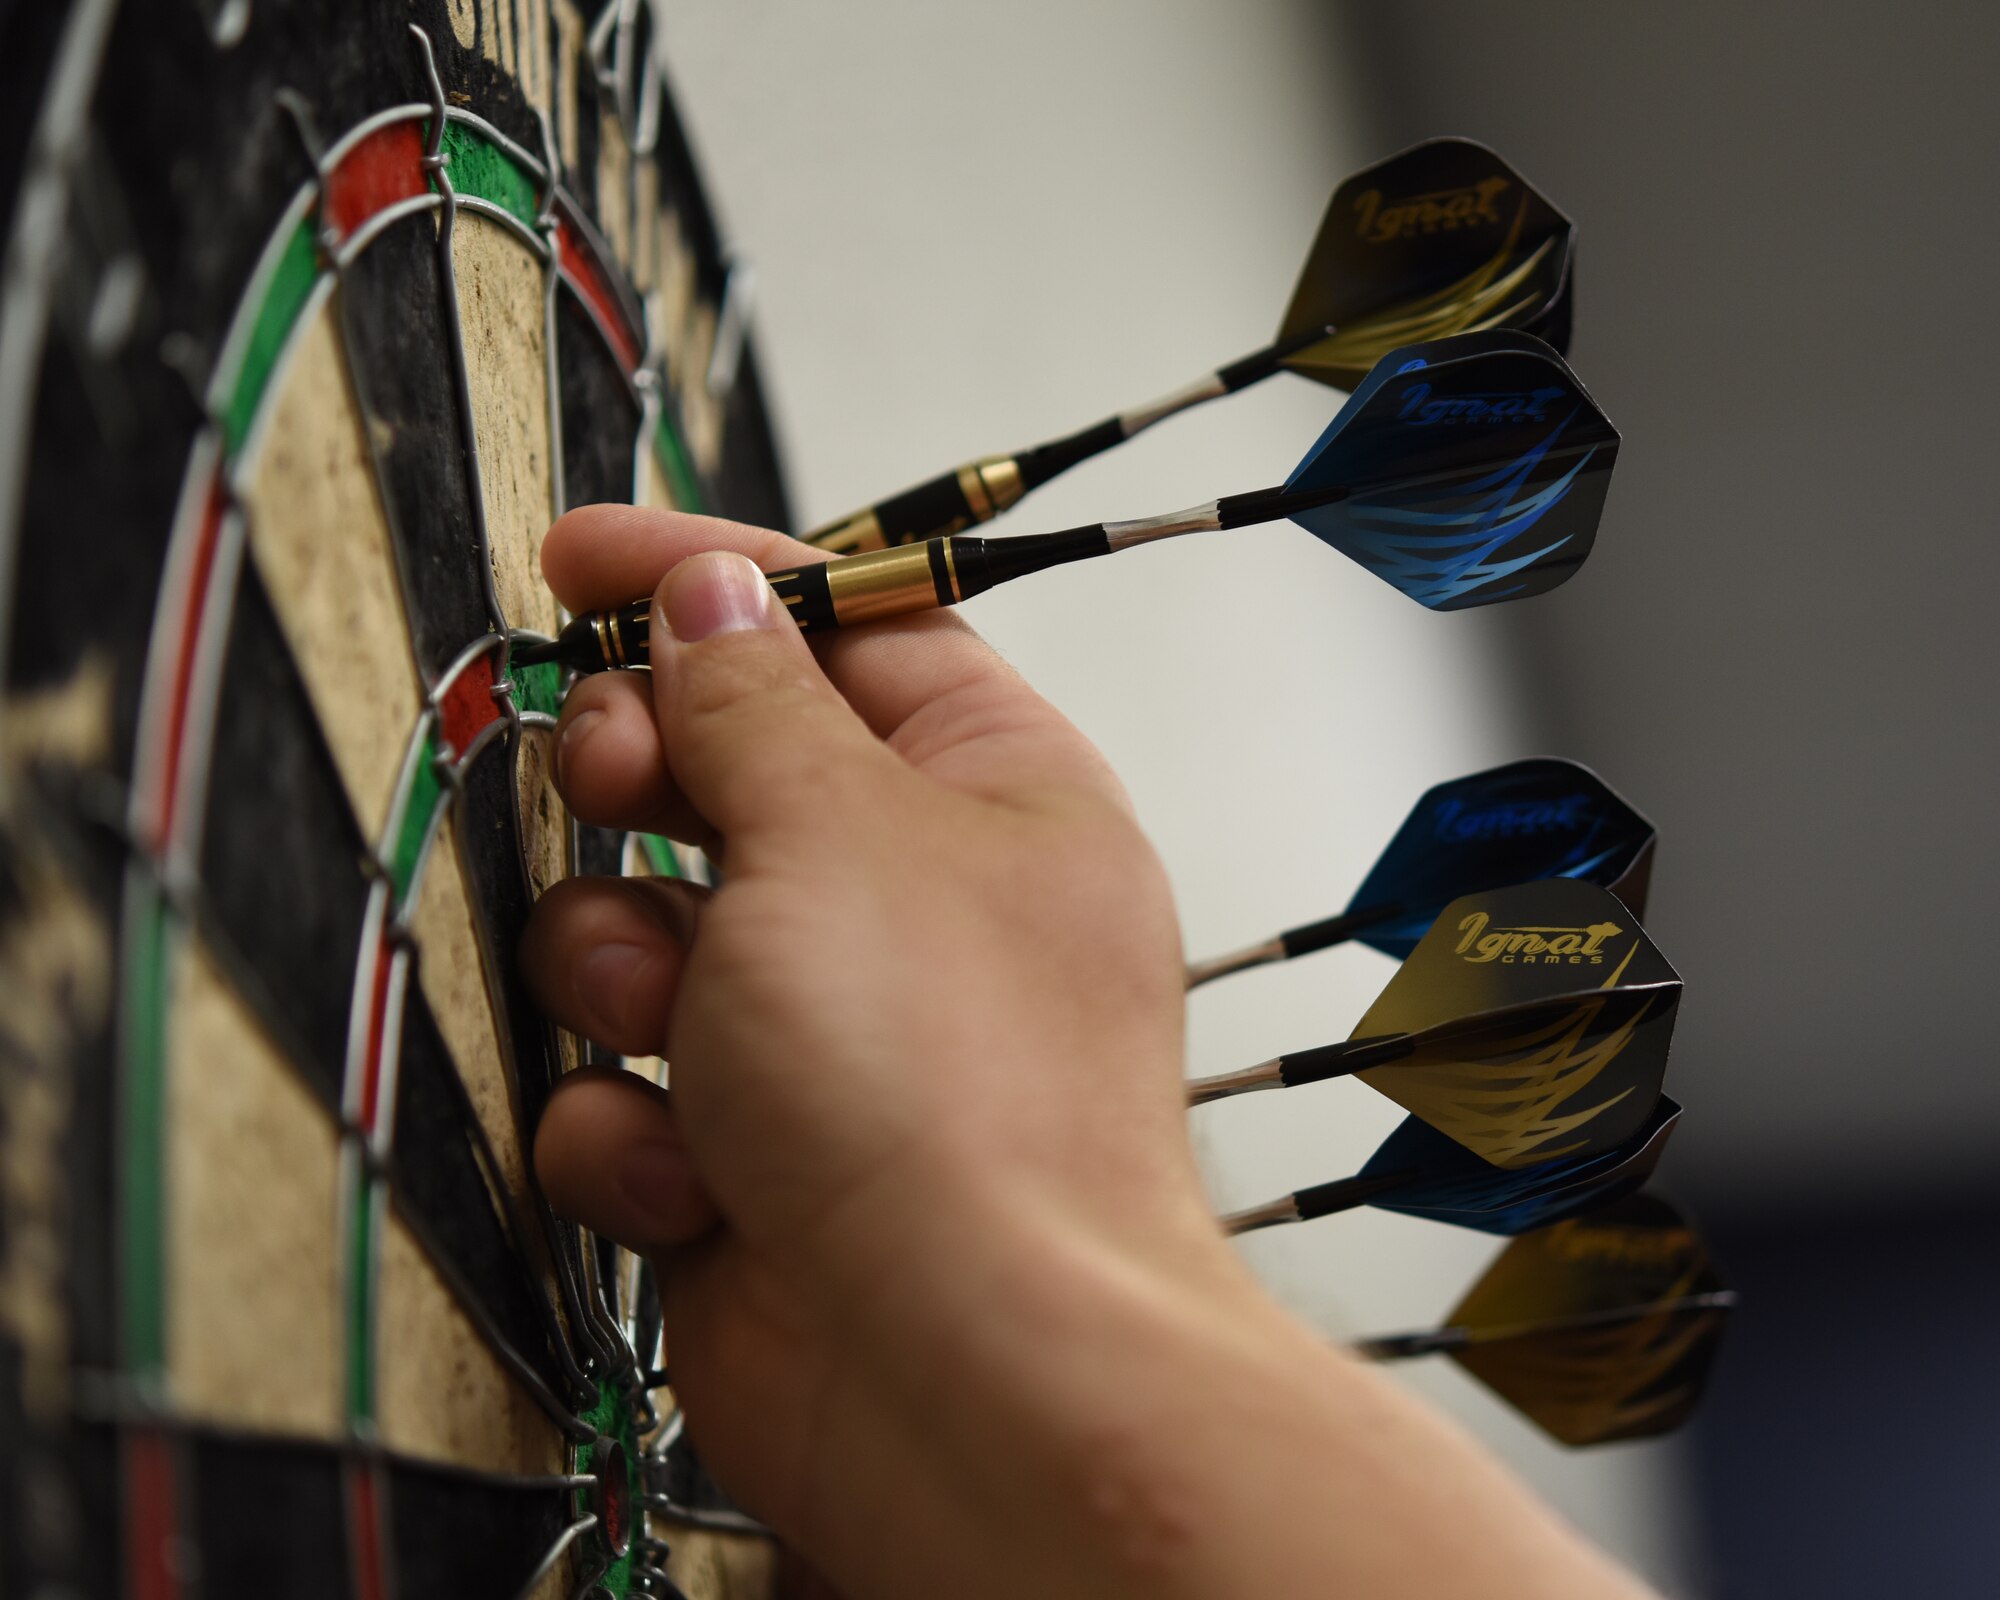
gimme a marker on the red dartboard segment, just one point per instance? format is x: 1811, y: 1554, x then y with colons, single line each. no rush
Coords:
x: 581, y: 271
x: 151, y: 1538
x: 365, y: 1518
x: 215, y: 505
x: 466, y: 705
x: 378, y: 1006
x: 383, y: 168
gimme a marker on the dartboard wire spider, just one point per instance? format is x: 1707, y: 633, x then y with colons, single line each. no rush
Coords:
x: 449, y: 737
x: 564, y: 1251
x: 587, y: 1323
x: 454, y: 729
x: 458, y: 691
x: 598, y: 1300
x: 575, y: 1531
x: 578, y: 1262
x: 183, y: 682
x: 655, y: 1475
x: 447, y: 200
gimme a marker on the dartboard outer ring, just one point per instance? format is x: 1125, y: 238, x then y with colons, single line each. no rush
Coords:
x: 314, y: 316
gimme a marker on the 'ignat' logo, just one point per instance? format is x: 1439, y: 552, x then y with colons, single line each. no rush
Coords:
x: 1470, y: 207
x: 1421, y: 411
x: 1577, y: 947
x: 1616, y: 1246
x: 1459, y: 825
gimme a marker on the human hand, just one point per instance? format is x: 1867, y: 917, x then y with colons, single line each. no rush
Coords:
x: 925, y: 1047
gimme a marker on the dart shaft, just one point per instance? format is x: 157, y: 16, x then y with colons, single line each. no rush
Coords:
x: 1325, y: 934
x: 980, y: 490
x: 1256, y: 955
x: 1292, y: 942
x: 1339, y: 1060
x: 1301, y: 1066
x: 1321, y: 1200
x: 1403, y: 1346
x: 1272, y: 1214
x: 1265, y: 1075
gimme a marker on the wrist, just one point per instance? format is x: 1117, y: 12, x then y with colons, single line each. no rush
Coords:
x: 1084, y: 1400
x: 1109, y: 1422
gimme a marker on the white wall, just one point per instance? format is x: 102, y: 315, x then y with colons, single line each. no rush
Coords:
x: 976, y: 227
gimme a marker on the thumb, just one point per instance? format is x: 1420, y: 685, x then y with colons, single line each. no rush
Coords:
x: 755, y: 736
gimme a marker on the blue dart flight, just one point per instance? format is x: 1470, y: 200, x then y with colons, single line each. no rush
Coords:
x: 1539, y: 818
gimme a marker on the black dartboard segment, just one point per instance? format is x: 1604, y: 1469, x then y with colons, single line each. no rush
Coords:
x: 318, y: 326
x: 403, y: 374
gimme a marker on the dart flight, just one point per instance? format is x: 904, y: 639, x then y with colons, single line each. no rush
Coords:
x: 1539, y: 818
x: 1599, y: 1328
x: 1463, y: 472
x: 1441, y: 238
x: 1421, y: 1173
x: 1531, y: 1024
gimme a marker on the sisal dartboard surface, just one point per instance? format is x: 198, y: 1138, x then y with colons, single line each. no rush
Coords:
x: 313, y: 321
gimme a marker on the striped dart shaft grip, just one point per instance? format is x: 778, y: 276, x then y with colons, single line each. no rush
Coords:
x: 1343, y: 1194
x: 1334, y: 930
x: 1338, y: 1060
x: 1407, y: 1346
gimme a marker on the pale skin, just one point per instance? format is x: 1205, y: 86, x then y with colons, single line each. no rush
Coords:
x: 945, y: 1300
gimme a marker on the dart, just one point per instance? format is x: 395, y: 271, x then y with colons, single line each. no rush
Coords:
x: 1462, y: 472
x: 1531, y: 1024
x: 1419, y: 1172
x: 1442, y: 238
x: 1539, y: 818
x: 1599, y: 1328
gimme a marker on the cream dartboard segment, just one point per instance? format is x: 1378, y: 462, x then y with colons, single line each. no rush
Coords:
x: 448, y: 271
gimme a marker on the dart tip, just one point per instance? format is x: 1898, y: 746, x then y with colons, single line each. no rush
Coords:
x: 529, y: 651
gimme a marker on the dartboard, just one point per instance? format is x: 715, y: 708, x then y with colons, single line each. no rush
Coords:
x: 315, y: 317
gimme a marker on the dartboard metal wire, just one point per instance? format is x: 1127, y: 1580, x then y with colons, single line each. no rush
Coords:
x: 283, y: 1311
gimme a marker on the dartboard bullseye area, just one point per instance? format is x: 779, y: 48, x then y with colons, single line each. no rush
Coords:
x: 315, y: 318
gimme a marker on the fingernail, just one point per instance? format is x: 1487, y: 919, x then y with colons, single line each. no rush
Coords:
x: 716, y: 592
x: 606, y: 979
x: 655, y: 1177
x: 575, y: 731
